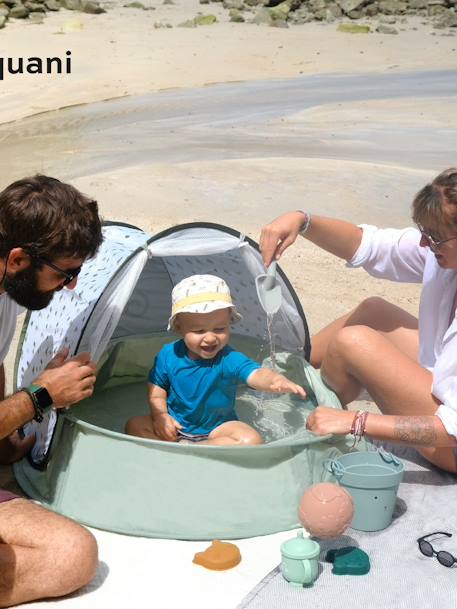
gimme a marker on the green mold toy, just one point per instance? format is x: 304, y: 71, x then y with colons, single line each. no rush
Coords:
x: 348, y: 561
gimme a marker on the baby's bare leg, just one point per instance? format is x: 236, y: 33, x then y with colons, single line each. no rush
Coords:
x: 234, y: 433
x: 141, y: 426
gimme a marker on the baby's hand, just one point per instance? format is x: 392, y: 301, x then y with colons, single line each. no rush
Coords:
x: 281, y: 384
x: 165, y: 426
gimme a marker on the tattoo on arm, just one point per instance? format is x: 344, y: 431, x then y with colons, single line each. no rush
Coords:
x: 415, y: 430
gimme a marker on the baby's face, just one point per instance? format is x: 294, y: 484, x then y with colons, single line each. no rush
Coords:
x: 204, y: 334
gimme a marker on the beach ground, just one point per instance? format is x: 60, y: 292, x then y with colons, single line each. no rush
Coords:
x: 122, y: 53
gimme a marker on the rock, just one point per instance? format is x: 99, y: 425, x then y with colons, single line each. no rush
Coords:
x: 334, y: 10
x: 236, y: 4
x: 386, y: 29
x: 355, y: 14
x: 205, y: 19
x: 236, y: 16
x: 417, y: 4
x: 372, y: 10
x: 349, y: 5
x: 392, y: 7
x: 19, y: 11
x: 36, y: 18
x: 72, y: 5
x: 435, y: 9
x: 2, y: 21
x: 93, y: 8
x: 52, y: 5
x: 279, y: 23
x: 280, y: 12
x: 168, y: 2
x: 204, y: 1
x: 317, y: 5
x: 4, y: 11
x: 135, y: 4
x: 447, y: 19
x: 262, y: 17
x: 159, y: 24
x: 352, y: 28
x: 34, y: 7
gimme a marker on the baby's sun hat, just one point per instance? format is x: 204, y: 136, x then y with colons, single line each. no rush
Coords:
x: 201, y: 294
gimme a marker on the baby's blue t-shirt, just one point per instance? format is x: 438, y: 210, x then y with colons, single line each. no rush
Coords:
x: 201, y: 393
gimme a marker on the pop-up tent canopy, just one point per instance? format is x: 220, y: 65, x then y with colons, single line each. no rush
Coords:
x: 85, y: 467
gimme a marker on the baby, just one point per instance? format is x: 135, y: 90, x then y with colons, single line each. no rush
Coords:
x: 192, y: 385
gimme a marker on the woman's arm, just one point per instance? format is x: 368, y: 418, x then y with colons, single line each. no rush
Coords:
x: 410, y: 430
x: 335, y: 236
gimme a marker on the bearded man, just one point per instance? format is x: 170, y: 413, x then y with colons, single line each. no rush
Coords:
x: 48, y: 229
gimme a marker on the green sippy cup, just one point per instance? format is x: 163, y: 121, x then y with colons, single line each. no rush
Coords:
x: 300, y: 560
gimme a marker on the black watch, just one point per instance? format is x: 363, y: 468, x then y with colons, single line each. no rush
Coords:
x: 41, y: 400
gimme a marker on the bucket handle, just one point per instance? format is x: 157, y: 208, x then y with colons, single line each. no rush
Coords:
x: 333, y: 466
x: 388, y: 457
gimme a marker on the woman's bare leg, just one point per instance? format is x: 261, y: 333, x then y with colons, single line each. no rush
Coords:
x: 400, y: 327
x: 359, y: 356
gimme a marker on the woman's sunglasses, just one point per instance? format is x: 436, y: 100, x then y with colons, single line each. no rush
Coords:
x: 444, y: 558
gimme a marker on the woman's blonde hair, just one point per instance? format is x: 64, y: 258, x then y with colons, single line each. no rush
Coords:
x: 428, y: 205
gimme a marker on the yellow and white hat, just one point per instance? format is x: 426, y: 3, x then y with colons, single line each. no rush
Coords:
x: 201, y: 294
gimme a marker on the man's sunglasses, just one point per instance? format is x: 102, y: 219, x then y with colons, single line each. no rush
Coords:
x: 444, y: 558
x: 435, y: 243
x: 69, y: 274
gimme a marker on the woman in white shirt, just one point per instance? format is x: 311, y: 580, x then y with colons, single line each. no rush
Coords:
x: 408, y: 365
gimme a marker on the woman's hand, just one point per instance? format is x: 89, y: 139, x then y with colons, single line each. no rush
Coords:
x: 276, y: 237
x: 324, y: 420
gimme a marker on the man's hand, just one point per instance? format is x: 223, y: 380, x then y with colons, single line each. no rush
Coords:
x: 59, y: 358
x: 165, y: 426
x: 324, y: 420
x: 69, y: 381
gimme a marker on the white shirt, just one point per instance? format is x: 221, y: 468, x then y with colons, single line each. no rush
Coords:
x: 9, y: 310
x: 396, y: 255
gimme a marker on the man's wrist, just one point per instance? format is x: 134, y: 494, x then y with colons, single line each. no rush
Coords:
x: 41, y: 400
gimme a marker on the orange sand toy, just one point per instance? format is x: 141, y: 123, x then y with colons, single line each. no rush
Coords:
x: 219, y: 556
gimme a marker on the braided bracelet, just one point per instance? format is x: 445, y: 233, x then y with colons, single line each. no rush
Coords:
x: 358, y: 426
x: 306, y: 224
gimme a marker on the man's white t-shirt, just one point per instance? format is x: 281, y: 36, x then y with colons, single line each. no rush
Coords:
x: 9, y: 310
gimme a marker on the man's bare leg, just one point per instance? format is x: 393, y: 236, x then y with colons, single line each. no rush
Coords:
x: 400, y: 327
x: 42, y: 554
x: 359, y: 356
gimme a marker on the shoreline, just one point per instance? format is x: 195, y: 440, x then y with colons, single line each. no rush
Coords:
x: 134, y: 58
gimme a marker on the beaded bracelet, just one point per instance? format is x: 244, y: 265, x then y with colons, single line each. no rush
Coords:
x: 358, y: 426
x: 306, y: 224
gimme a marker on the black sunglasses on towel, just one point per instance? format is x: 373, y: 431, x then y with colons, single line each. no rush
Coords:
x: 444, y: 558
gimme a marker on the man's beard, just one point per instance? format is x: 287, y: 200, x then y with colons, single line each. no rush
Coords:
x: 22, y: 288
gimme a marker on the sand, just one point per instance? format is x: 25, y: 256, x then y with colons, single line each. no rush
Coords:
x: 121, y: 53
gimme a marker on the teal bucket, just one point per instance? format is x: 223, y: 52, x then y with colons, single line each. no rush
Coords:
x: 372, y: 479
